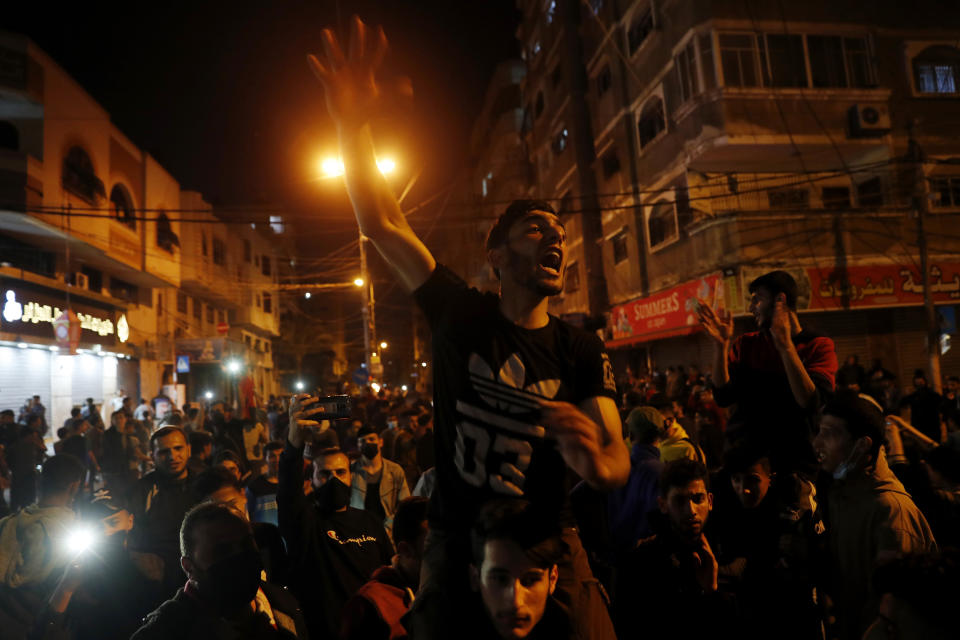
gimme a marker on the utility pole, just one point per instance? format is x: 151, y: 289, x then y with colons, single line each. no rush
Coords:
x: 369, y: 320
x: 921, y: 205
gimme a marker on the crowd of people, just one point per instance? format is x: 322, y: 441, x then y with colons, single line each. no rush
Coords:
x: 775, y: 495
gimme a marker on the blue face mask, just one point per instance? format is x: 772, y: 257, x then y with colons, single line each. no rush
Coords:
x: 852, y: 462
x: 391, y: 424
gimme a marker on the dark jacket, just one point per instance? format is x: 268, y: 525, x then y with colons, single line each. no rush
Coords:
x: 331, y: 555
x: 658, y: 595
x: 629, y: 506
x: 187, y: 618
x: 158, y: 506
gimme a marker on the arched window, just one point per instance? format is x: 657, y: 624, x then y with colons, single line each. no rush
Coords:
x: 122, y: 206
x: 661, y: 224
x: 937, y: 70
x: 651, y: 121
x: 79, y: 177
x: 9, y: 136
x: 166, y: 238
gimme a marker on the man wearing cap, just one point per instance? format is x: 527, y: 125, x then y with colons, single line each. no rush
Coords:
x: 378, y: 484
x: 778, y: 376
x: 520, y: 396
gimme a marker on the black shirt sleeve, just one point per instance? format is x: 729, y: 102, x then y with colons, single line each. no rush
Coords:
x: 440, y: 289
x: 594, y: 373
x: 291, y: 503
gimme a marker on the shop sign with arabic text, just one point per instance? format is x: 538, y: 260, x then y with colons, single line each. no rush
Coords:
x: 883, y: 286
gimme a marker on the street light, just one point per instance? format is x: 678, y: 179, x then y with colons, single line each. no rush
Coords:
x: 423, y: 364
x: 307, y: 295
x: 359, y: 282
x: 331, y: 167
x: 383, y: 345
x: 233, y: 366
x: 208, y: 395
x: 299, y: 385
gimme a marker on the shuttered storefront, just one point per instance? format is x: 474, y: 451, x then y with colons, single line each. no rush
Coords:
x: 23, y: 374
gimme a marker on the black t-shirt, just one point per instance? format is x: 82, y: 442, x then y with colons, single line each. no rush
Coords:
x: 371, y: 501
x: 76, y: 445
x: 488, y: 374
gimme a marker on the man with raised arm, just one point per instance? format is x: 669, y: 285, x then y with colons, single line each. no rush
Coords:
x: 520, y: 396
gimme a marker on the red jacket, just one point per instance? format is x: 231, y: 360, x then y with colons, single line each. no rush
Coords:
x: 374, y: 612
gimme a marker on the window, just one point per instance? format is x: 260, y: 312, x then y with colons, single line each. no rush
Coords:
x: 222, y: 315
x: 159, y: 304
x: 535, y: 49
x: 120, y: 289
x: 197, y: 309
x: 79, y: 178
x: 571, y: 278
x: 181, y: 303
x: 256, y: 261
x: 870, y: 193
x: 203, y: 243
x: 836, y: 197
x: 946, y: 191
x: 619, y: 242
x: 265, y: 265
x: 788, y: 198
x: 738, y: 59
x: 219, y: 252
x: 639, y: 29
x: 785, y: 62
x: 166, y: 238
x: 662, y: 224
x: 651, y: 121
x: 209, y: 314
x: 257, y: 298
x: 705, y: 46
x: 122, y: 206
x: 610, y: 163
x: 267, y: 303
x: 246, y: 250
x: 559, y: 143
x: 839, y: 62
x: 937, y: 70
x: 551, y: 11
x: 486, y: 184
x: 266, y: 346
x: 686, y: 64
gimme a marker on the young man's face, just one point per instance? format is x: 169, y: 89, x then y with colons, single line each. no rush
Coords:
x: 332, y: 466
x: 118, y: 522
x: 232, y: 467
x: 752, y: 484
x: 761, y: 307
x: 687, y: 508
x: 832, y: 443
x: 170, y: 453
x: 953, y: 386
x: 513, y: 589
x: 534, y: 254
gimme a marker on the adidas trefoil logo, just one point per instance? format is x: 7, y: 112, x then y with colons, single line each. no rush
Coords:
x: 506, y: 390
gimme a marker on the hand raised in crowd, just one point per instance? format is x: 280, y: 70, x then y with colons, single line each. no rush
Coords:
x: 718, y: 326
x: 780, y: 326
x: 352, y: 93
x: 301, y: 417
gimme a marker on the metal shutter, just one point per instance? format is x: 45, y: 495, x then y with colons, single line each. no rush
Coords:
x: 23, y: 374
x: 87, y: 378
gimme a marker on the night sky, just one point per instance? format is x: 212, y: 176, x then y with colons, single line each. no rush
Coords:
x: 220, y: 94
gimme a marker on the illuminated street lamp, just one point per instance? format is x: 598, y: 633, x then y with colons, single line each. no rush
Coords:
x: 359, y: 282
x: 299, y: 385
x: 423, y: 364
x: 307, y: 295
x: 234, y: 366
x: 208, y: 395
x: 383, y: 345
x: 331, y: 167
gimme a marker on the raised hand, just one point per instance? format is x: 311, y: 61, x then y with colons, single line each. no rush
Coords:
x: 718, y: 326
x: 780, y: 325
x: 352, y: 92
x: 302, y: 417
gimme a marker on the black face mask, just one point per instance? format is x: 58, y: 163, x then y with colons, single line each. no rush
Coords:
x: 231, y: 583
x: 369, y: 450
x: 333, y: 495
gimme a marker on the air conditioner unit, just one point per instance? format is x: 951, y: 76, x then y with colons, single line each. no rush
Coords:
x: 81, y: 280
x: 868, y: 120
